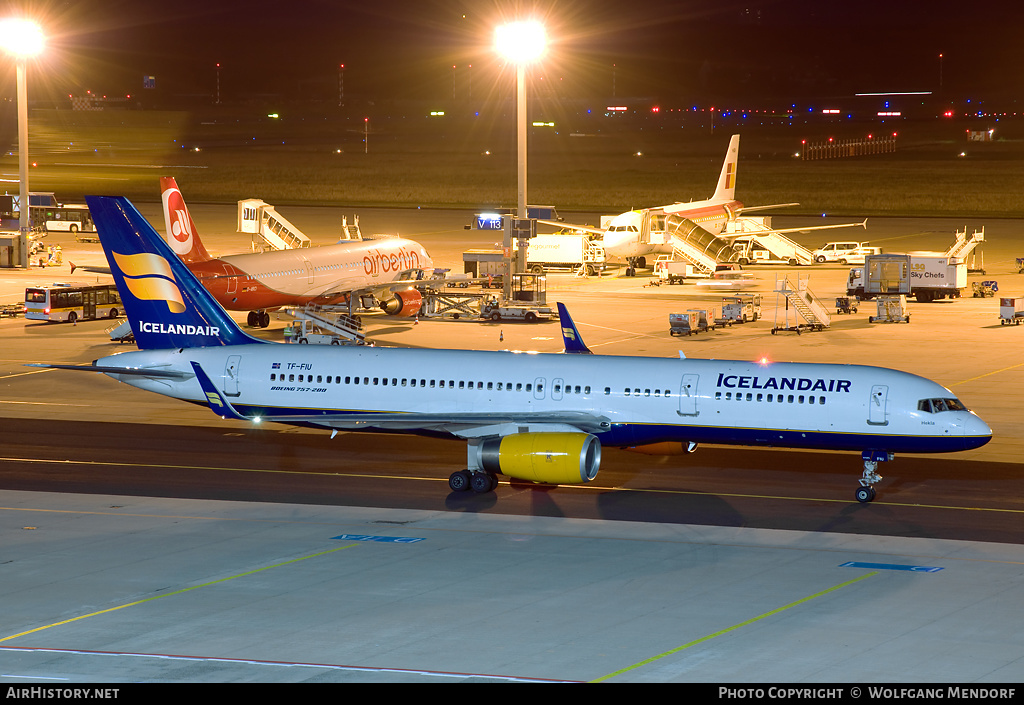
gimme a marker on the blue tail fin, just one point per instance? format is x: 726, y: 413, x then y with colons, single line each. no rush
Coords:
x: 165, y: 303
x: 573, y: 340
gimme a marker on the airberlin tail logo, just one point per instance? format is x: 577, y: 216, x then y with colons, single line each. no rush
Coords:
x: 177, y: 221
x: 149, y: 277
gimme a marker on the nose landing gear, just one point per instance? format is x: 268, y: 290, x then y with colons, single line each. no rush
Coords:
x: 866, y: 491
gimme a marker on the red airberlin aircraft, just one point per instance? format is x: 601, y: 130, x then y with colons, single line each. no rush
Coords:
x: 260, y: 281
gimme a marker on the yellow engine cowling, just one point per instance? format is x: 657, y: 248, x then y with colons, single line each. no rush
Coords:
x: 550, y: 458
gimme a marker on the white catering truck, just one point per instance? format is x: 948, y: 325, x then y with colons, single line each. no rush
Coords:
x: 580, y: 252
x: 933, y: 275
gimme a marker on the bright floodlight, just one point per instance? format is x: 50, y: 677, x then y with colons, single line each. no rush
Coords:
x: 20, y: 37
x: 520, y: 42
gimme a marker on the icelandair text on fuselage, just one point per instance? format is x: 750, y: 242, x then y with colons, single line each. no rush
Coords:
x: 949, y: 691
x: 178, y: 328
x: 62, y: 693
x: 796, y: 384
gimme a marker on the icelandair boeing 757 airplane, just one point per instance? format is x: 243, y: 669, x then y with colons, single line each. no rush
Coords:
x: 536, y: 417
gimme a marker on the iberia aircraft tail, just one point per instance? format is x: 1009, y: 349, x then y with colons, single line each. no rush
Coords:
x: 182, y: 235
x: 726, y: 189
x: 165, y: 303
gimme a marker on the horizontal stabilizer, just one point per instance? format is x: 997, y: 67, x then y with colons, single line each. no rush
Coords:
x: 106, y: 369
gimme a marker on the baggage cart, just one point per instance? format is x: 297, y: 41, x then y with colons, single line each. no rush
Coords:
x: 846, y: 304
x: 1011, y: 310
x: 684, y: 323
x: 984, y: 288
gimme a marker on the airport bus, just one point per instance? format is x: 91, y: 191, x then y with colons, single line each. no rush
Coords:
x: 71, y: 218
x: 72, y: 302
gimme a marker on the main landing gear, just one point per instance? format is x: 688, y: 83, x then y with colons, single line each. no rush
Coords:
x: 258, y: 319
x: 479, y: 482
x: 871, y: 458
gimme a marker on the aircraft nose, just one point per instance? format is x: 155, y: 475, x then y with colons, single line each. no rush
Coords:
x: 976, y: 432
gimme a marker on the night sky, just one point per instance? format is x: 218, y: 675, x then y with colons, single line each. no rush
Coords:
x: 683, y: 50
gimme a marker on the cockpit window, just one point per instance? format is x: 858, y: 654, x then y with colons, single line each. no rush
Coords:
x: 934, y: 406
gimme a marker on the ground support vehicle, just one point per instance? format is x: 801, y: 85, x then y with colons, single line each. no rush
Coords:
x: 740, y: 309
x: 305, y: 332
x: 12, y: 310
x: 324, y: 325
x: 846, y: 304
x: 497, y: 311
x: 1011, y: 310
x: 796, y: 302
x: 891, y: 309
x: 581, y: 252
x: 121, y: 332
x: 985, y: 288
x: 675, y: 272
x: 691, y: 322
x: 444, y: 304
x: 932, y: 275
x: 845, y: 252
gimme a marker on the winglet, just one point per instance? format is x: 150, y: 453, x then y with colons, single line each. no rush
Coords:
x: 570, y: 334
x: 217, y: 401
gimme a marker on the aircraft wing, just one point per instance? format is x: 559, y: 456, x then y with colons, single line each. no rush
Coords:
x: 782, y: 231
x: 569, y: 226
x: 752, y: 209
x: 377, y: 289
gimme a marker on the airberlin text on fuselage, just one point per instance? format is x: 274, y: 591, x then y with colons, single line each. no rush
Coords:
x: 799, y: 384
x: 178, y: 328
x: 377, y: 261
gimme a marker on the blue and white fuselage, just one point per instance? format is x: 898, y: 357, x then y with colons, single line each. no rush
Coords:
x: 624, y: 401
x: 539, y: 417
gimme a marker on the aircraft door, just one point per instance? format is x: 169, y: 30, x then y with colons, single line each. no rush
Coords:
x: 309, y: 270
x: 231, y: 279
x: 538, y: 388
x: 877, y: 415
x: 556, y: 389
x: 688, y: 396
x: 231, y: 375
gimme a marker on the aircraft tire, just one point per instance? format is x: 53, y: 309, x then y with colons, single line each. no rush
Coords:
x: 459, y: 481
x: 865, y: 494
x: 481, y: 482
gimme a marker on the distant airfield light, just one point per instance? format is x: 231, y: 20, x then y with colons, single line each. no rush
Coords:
x: 273, y: 116
x: 639, y: 154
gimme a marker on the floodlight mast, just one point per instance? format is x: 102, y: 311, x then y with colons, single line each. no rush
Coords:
x: 521, y: 43
x: 22, y: 39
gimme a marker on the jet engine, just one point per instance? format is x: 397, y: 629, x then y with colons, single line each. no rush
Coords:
x: 404, y: 303
x: 550, y: 458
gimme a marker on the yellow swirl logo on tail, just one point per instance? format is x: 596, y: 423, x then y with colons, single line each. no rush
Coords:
x: 144, y: 275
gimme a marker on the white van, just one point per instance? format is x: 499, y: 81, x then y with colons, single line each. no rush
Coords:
x: 845, y: 252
